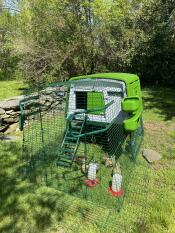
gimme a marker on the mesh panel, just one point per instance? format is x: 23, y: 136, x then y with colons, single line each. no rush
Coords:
x: 64, y: 132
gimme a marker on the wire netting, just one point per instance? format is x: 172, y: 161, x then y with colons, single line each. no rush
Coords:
x: 59, y: 143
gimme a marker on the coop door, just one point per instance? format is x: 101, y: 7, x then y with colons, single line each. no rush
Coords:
x: 81, y: 100
x: 95, y: 100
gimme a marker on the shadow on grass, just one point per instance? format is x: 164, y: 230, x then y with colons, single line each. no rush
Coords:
x: 24, y: 89
x: 25, y: 207
x: 162, y: 99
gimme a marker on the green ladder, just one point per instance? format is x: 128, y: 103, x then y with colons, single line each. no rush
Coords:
x: 71, y: 141
x: 74, y: 131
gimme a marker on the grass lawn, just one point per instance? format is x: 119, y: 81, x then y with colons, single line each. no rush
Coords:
x: 11, y: 88
x: 28, y: 207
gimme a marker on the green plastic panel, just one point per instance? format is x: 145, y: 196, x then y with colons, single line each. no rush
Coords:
x: 131, y: 104
x: 132, y: 123
x: 95, y: 100
x: 125, y: 77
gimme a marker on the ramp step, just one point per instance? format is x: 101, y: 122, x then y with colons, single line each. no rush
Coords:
x: 69, y: 144
x: 63, y: 164
x: 65, y: 157
x: 71, y: 138
x: 76, y: 127
x: 75, y: 132
x: 68, y: 150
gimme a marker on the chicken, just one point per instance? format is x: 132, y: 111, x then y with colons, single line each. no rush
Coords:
x: 107, y: 162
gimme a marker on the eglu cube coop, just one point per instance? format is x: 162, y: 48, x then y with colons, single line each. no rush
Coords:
x: 82, y: 136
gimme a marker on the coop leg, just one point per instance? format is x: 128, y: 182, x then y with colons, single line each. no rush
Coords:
x: 136, y: 139
x: 133, y: 145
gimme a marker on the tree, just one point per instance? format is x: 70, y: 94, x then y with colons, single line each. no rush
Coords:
x: 155, y: 55
x: 8, y: 60
x: 65, y: 37
x: 56, y: 39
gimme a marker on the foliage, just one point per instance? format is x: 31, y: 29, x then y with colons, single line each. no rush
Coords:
x: 155, y: 56
x: 8, y: 58
x: 59, y: 39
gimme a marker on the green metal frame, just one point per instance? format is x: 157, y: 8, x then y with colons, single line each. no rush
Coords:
x: 60, y: 159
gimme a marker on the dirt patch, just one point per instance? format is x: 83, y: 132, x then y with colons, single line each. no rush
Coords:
x: 154, y: 126
x: 163, y: 165
x: 172, y: 127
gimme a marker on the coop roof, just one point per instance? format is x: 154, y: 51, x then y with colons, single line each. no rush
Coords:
x: 125, y: 77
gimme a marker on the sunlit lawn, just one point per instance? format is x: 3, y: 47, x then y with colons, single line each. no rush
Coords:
x: 11, y: 88
x: 26, y: 207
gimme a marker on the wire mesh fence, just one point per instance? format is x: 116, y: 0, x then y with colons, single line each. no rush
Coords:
x: 64, y: 131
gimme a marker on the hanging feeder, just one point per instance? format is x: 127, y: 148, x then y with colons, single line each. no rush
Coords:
x: 92, y: 181
x: 116, y: 188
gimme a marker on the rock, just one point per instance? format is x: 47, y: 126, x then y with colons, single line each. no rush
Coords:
x: 58, y: 98
x: 55, y: 105
x: 9, y: 138
x: 27, y: 111
x: 45, y: 108
x: 9, y: 112
x: 49, y: 98
x: 61, y: 93
x: 10, y: 120
x: 14, y: 114
x: 151, y: 155
x: 5, y: 116
x: 3, y: 128
x: 42, y: 102
x: 48, y: 104
x: 11, y: 103
x: 12, y: 128
x: 2, y: 111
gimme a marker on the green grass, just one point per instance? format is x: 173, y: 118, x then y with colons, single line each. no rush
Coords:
x: 28, y: 207
x: 11, y: 88
x: 159, y: 122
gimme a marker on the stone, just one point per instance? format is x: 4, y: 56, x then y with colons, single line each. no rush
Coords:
x: 61, y: 93
x: 49, y: 98
x: 42, y: 102
x: 14, y: 114
x: 12, y: 128
x: 55, y: 105
x: 45, y: 108
x: 58, y: 98
x: 2, y: 111
x: 9, y: 138
x: 151, y: 155
x: 42, y: 99
x: 10, y: 120
x: 48, y: 104
x: 5, y: 116
x: 11, y: 103
x: 3, y: 128
x: 27, y: 111
x: 9, y: 112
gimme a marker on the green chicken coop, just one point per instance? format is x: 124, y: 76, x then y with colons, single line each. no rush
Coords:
x: 76, y: 133
x: 117, y: 95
